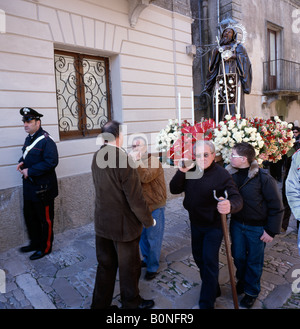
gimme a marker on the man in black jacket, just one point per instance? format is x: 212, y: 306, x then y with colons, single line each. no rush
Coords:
x: 256, y: 224
x: 198, y: 182
x: 37, y: 166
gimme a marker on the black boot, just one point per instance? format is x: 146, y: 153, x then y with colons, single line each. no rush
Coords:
x: 28, y: 248
x: 247, y: 301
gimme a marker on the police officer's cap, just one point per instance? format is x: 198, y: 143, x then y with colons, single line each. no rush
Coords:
x: 30, y: 114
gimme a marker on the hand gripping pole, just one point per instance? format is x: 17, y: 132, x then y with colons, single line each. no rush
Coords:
x: 228, y: 251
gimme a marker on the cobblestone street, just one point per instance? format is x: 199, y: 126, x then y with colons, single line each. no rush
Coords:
x: 65, y: 278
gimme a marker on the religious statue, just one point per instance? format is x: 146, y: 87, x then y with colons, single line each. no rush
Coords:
x: 229, y: 72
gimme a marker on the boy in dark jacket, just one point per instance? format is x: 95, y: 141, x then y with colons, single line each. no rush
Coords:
x: 256, y: 224
x: 198, y: 182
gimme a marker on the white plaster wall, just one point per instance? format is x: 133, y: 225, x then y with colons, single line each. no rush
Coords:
x: 148, y: 67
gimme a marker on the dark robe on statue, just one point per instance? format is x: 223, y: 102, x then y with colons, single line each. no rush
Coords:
x: 239, y: 64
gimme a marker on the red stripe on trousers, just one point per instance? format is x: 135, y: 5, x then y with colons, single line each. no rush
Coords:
x: 48, y: 245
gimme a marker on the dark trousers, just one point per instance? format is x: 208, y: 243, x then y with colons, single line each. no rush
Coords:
x: 206, y: 242
x: 39, y: 222
x: 276, y: 169
x: 112, y: 255
x: 248, y: 254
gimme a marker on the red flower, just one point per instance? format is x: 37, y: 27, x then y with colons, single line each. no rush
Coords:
x: 183, y: 147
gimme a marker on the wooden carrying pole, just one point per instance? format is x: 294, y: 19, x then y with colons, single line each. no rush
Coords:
x: 228, y: 253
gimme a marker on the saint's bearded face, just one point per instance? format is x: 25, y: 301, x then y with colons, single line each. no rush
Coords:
x: 227, y: 37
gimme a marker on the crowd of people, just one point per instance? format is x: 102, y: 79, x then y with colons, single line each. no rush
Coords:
x: 130, y: 196
x: 254, y: 202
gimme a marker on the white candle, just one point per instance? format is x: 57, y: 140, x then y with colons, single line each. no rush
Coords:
x: 217, y: 106
x: 193, y: 112
x: 179, y: 110
x: 239, y: 99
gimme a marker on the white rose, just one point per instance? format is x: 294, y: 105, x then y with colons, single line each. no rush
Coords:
x: 244, y: 122
x: 231, y: 124
x: 218, y: 133
x: 238, y: 137
x: 226, y: 155
x: 224, y: 131
x: 258, y: 137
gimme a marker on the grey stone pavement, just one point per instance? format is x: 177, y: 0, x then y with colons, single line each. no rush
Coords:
x: 65, y: 278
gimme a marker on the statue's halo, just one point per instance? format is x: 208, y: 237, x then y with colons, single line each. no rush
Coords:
x: 244, y: 32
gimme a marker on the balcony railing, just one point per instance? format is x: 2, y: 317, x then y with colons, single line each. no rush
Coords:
x: 281, y: 77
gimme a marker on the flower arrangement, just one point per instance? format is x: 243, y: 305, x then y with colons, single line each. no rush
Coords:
x: 183, y: 146
x: 167, y: 136
x: 178, y: 141
x: 236, y: 130
x: 204, y: 127
x: 277, y: 136
x: 271, y: 139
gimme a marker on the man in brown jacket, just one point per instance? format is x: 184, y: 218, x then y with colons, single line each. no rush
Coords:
x: 152, y: 178
x: 120, y: 214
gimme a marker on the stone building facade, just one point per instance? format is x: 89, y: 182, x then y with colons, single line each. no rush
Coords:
x: 273, y: 30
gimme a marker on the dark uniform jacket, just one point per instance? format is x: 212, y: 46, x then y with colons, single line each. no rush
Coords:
x: 199, y: 199
x: 120, y: 208
x: 262, y: 200
x: 41, y: 161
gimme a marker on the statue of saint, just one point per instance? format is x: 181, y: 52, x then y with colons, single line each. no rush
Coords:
x: 229, y: 72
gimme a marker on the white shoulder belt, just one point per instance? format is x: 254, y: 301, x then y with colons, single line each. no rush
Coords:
x: 28, y: 148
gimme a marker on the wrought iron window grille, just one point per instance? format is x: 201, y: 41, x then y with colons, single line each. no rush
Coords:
x: 82, y: 90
